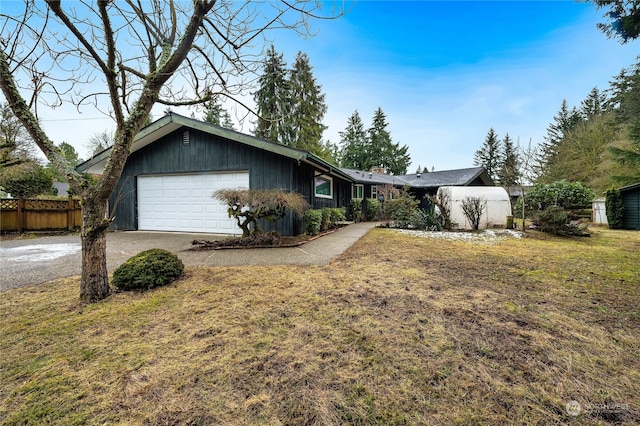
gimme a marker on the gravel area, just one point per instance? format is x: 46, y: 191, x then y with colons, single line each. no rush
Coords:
x: 486, y: 236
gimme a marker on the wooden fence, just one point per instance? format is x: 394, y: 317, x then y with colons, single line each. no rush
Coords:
x: 21, y: 215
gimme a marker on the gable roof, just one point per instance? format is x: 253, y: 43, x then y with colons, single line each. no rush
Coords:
x: 172, y: 122
x: 459, y: 177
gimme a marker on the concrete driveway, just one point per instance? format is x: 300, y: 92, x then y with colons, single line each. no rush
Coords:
x: 34, y: 261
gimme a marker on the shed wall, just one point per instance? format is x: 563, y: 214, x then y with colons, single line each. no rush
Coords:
x: 497, y: 209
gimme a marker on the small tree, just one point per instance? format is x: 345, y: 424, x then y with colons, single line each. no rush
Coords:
x: 615, y: 208
x: 247, y: 206
x: 473, y: 208
x: 442, y: 200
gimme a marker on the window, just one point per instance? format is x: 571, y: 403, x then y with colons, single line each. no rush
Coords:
x: 374, y: 191
x: 323, y: 186
x: 357, y: 191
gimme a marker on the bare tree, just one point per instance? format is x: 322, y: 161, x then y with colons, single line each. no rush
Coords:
x: 473, y: 209
x: 122, y: 58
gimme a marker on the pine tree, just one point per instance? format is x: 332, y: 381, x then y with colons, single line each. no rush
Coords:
x: 354, y: 144
x: 272, y: 98
x: 509, y: 171
x: 594, y: 105
x: 564, y: 120
x: 216, y: 114
x: 304, y: 122
x: 381, y: 149
x: 489, y: 155
x: 626, y: 101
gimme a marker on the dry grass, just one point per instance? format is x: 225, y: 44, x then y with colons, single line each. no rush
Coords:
x: 400, y: 330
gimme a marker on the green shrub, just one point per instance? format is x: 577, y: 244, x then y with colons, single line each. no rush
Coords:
x: 325, y: 224
x: 568, y: 195
x: 615, y: 208
x: 555, y: 220
x: 374, y: 209
x: 148, y: 269
x: 337, y: 215
x: 312, y: 222
x: 355, y: 210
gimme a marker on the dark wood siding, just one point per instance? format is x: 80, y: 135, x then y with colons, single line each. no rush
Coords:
x: 631, y: 216
x: 207, y: 153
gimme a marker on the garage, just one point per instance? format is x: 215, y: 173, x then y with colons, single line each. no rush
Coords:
x: 184, y: 202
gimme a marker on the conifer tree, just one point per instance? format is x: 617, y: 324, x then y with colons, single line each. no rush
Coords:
x: 381, y: 149
x: 272, y: 98
x: 489, y: 155
x: 564, y: 120
x: 594, y: 105
x: 509, y: 171
x: 216, y: 114
x: 304, y: 121
x: 354, y: 144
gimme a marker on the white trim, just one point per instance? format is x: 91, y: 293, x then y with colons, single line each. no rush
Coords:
x: 327, y: 178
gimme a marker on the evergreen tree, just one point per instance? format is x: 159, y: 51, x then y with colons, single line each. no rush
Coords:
x: 354, y: 144
x: 626, y: 101
x: 509, y: 171
x: 489, y: 155
x: 272, y: 98
x: 381, y: 149
x: 304, y: 122
x: 564, y: 120
x: 594, y: 105
x: 216, y: 114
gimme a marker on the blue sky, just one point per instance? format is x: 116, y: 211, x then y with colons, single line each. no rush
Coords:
x: 443, y: 72
x: 446, y: 72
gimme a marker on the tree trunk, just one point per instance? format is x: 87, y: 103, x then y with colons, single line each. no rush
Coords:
x: 94, y: 285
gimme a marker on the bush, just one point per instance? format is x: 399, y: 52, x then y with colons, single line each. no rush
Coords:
x: 568, y: 195
x: 326, y: 220
x: 26, y: 180
x: 148, y: 269
x: 355, y: 210
x: 555, y: 220
x: 337, y: 215
x: 401, y: 210
x: 321, y: 220
x: 374, y: 209
x: 312, y: 222
x: 615, y: 208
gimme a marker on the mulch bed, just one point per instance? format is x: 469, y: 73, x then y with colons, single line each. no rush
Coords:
x: 245, y: 243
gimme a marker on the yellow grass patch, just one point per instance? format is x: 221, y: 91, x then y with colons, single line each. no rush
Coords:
x: 399, y: 330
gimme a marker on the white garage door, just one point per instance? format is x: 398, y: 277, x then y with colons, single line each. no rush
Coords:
x: 185, y: 203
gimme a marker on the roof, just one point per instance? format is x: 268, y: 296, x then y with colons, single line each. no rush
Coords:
x: 459, y: 177
x: 172, y: 122
x: 630, y: 187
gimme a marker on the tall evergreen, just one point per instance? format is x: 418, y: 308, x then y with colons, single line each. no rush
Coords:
x: 509, y: 171
x: 626, y: 100
x: 594, y: 105
x: 382, y: 151
x: 353, y: 141
x: 564, y: 120
x: 489, y: 155
x: 272, y: 98
x: 304, y: 121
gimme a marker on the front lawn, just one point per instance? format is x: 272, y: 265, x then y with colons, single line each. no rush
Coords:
x: 402, y: 330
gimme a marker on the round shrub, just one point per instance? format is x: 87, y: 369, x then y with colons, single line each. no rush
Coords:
x: 148, y: 269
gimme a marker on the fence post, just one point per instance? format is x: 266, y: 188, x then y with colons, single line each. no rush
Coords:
x: 70, y: 214
x: 21, y: 215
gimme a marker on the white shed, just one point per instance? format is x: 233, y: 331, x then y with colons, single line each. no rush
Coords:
x: 599, y: 212
x: 498, y: 205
